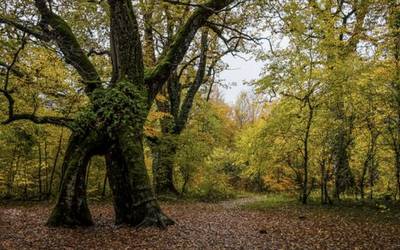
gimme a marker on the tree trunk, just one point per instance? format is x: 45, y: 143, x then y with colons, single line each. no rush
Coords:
x: 343, y: 175
x: 103, y: 192
x: 46, y: 171
x: 40, y: 171
x: 119, y: 184
x: 323, y: 185
x: 71, y: 208
x: 397, y: 166
x: 11, y: 173
x: 163, y: 167
x: 306, y: 157
x: 362, y: 181
x: 53, y: 170
x: 145, y: 210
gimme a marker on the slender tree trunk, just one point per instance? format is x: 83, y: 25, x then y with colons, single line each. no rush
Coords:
x: 53, y: 170
x: 40, y: 171
x: 87, y: 173
x: 46, y: 171
x: 17, y: 165
x: 305, y: 163
x: 362, y: 180
x: 25, y: 196
x: 323, y: 185
x: 397, y: 166
x: 10, y: 175
x: 209, y: 91
x: 371, y: 184
x: 103, y: 192
x: 184, y: 186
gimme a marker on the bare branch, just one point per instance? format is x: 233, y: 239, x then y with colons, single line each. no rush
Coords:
x: 25, y: 27
x: 93, y: 51
x: 60, y: 121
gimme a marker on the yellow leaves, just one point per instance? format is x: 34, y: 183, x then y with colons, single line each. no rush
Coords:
x: 158, y: 115
x: 161, y: 98
x: 151, y: 131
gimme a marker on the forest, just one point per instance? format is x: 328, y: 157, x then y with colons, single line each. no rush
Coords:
x: 116, y: 132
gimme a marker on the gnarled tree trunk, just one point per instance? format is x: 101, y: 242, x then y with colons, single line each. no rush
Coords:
x: 71, y: 208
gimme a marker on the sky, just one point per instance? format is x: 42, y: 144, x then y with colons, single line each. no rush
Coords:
x: 240, y: 71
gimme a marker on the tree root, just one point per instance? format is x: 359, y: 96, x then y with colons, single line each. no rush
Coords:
x: 154, y: 217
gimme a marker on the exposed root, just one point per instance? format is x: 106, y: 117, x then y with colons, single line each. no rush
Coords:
x: 154, y: 217
x: 63, y: 217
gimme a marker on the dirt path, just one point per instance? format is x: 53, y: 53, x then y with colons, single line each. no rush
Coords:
x: 198, y: 226
x: 238, y: 203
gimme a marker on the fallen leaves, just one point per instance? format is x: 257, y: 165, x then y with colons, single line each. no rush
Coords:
x: 199, y: 226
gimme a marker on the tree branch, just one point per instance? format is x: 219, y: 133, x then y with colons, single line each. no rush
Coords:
x: 61, y: 33
x: 126, y: 47
x: 199, y: 79
x: 14, y: 117
x: 93, y: 51
x: 12, y: 69
x: 25, y: 27
x: 58, y: 121
x: 174, y: 54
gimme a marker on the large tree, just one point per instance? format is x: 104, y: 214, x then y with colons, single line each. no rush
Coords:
x: 112, y: 123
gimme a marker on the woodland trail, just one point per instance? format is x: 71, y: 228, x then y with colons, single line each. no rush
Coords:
x: 200, y: 226
x: 238, y: 203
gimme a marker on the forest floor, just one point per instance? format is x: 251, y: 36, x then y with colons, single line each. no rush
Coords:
x: 246, y: 223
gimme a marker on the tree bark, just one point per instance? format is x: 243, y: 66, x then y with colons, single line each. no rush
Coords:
x: 119, y: 184
x: 145, y: 210
x: 398, y: 175
x: 71, y: 208
x: 306, y: 157
x: 53, y: 170
x: 40, y: 171
x: 103, y: 192
x: 163, y: 167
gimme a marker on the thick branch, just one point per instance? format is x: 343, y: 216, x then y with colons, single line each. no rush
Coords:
x: 199, y: 79
x: 58, y: 121
x: 148, y: 46
x: 174, y: 94
x: 126, y: 48
x: 25, y: 27
x: 174, y: 54
x: 361, y: 11
x: 74, y: 55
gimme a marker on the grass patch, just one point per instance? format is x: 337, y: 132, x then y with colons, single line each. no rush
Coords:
x: 378, y: 211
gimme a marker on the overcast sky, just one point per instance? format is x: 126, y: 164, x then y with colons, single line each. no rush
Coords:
x: 240, y: 71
